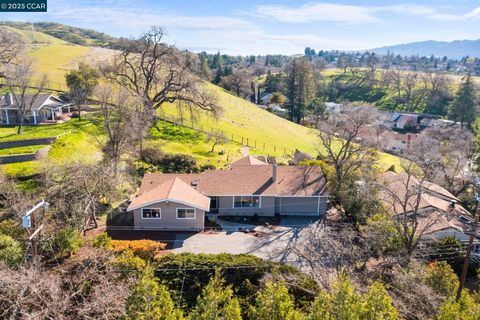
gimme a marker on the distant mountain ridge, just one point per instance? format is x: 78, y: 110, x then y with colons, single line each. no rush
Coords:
x: 456, y: 49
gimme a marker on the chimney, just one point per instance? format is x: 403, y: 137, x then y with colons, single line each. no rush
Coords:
x: 274, y: 172
x: 244, y: 151
x: 8, y: 99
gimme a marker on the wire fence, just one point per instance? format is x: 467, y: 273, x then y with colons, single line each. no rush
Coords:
x: 252, y: 142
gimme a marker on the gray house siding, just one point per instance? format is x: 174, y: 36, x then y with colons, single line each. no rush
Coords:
x: 168, y: 220
x: 301, y: 205
x: 267, y: 207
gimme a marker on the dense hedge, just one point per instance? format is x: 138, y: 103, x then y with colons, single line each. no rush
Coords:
x: 243, y: 272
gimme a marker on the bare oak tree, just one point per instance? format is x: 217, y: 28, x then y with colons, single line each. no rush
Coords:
x: 402, y: 195
x: 23, y: 88
x: 119, y: 113
x: 450, y: 152
x: 157, y: 73
x: 10, y: 47
x: 340, y: 145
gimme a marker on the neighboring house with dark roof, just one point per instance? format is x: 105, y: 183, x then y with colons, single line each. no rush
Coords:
x: 249, y: 187
x: 45, y: 107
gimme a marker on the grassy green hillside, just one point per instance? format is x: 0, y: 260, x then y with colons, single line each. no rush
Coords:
x: 266, y: 133
x: 28, y: 37
x: 66, y: 33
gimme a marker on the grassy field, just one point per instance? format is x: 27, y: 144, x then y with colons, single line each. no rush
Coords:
x: 40, y: 131
x: 82, y: 144
x: 241, y: 118
x: 35, y: 37
x: 56, y: 60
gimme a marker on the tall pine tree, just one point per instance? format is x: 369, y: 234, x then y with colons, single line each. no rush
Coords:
x: 464, y: 107
x: 216, y: 302
x: 151, y: 301
x: 300, y: 87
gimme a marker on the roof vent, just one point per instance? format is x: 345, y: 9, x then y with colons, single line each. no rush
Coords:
x: 194, y: 184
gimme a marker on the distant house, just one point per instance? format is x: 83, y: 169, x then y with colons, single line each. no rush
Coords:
x: 45, y: 107
x: 403, y: 120
x: 397, y: 142
x: 440, y: 213
x: 437, y: 123
x: 333, y: 107
x: 249, y: 187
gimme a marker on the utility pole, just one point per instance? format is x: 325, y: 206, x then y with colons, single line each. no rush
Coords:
x: 29, y: 223
x: 466, y: 261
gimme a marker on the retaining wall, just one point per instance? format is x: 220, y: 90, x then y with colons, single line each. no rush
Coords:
x: 40, y: 154
x: 26, y: 142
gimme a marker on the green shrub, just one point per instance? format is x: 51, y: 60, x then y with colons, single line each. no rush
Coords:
x: 441, y: 278
x: 167, y: 131
x: 145, y: 249
x: 65, y: 243
x: 166, y: 162
x: 128, y: 261
x: 101, y: 241
x: 11, y: 252
x: 11, y: 228
x: 173, y: 270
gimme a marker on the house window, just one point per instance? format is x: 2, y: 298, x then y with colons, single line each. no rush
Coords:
x: 246, y: 202
x: 185, y: 213
x: 151, y: 213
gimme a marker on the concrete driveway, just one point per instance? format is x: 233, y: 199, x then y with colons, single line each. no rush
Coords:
x: 272, y: 244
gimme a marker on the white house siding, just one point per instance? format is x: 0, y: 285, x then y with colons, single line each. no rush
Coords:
x: 267, y: 207
x: 304, y: 206
x: 168, y: 220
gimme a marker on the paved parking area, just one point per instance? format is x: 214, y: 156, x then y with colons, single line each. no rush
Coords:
x: 267, y: 243
x: 272, y: 244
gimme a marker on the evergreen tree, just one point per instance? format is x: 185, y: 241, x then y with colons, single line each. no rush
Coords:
x: 205, y: 71
x: 151, y: 301
x: 465, y: 308
x: 216, y: 302
x: 217, y: 60
x: 464, y: 106
x: 377, y: 304
x: 274, y: 303
x: 344, y: 303
x: 300, y: 87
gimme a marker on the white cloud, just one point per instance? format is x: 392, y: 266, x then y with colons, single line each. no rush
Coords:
x: 124, y: 16
x: 349, y: 14
x: 354, y: 14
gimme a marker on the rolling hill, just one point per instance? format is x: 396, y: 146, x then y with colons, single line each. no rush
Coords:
x: 241, y: 120
x: 455, y: 50
x: 63, y: 32
x: 33, y: 37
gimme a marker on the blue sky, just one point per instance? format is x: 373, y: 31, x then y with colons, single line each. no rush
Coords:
x: 272, y: 26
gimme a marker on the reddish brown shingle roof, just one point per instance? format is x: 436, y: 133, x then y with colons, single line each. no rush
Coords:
x: 171, y: 189
x: 248, y: 161
x: 245, y: 180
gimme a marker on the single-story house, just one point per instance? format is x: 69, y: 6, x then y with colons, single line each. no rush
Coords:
x: 402, y: 120
x: 439, y: 211
x: 396, y: 142
x: 249, y: 187
x: 45, y: 107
